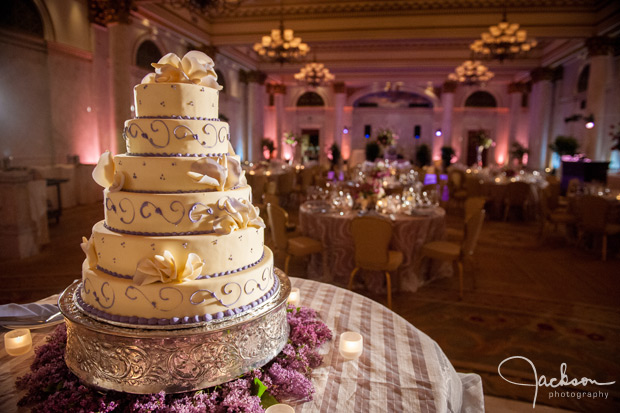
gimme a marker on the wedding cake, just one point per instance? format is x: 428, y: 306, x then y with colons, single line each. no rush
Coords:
x: 181, y: 243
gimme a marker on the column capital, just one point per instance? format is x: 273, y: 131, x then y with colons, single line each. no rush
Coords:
x: 339, y: 87
x: 449, y: 86
x: 518, y: 87
x: 276, y: 88
x: 599, y: 46
x: 104, y: 12
x: 542, y: 73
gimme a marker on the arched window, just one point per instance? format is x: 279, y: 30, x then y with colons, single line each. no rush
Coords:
x: 582, y: 82
x: 310, y: 99
x: 221, y: 80
x: 481, y: 99
x: 21, y: 16
x: 148, y: 53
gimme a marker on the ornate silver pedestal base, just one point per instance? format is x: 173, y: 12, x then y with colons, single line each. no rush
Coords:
x: 176, y: 360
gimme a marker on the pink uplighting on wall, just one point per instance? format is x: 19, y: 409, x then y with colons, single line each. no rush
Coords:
x: 500, y: 159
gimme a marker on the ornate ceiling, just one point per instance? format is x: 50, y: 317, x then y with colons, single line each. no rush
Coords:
x: 398, y: 40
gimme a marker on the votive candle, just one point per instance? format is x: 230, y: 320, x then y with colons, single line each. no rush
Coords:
x: 280, y: 408
x: 351, y: 345
x: 294, y: 296
x: 18, y: 342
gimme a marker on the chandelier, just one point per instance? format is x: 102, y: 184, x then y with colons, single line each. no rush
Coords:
x: 503, y: 41
x: 281, y: 45
x: 471, y: 72
x: 206, y: 7
x: 314, y: 74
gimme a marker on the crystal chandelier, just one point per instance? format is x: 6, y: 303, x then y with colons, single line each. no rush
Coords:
x: 206, y: 7
x: 503, y: 41
x: 281, y: 45
x: 314, y: 74
x: 471, y: 72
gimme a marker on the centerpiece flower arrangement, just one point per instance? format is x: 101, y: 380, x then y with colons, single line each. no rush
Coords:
x: 387, y: 141
x: 370, y: 187
x: 291, y: 139
x: 483, y: 142
x: 51, y: 387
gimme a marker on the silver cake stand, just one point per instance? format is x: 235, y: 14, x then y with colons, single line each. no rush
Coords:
x: 144, y: 361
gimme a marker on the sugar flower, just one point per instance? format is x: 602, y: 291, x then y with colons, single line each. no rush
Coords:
x: 195, y: 67
x: 103, y: 173
x: 88, y: 246
x: 163, y: 268
x: 222, y: 173
x: 233, y: 214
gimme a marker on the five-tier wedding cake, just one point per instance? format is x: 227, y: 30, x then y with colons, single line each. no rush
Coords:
x: 181, y: 243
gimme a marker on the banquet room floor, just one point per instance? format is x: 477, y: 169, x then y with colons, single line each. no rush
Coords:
x: 547, y: 300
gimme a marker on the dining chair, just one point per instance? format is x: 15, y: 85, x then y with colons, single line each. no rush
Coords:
x: 299, y: 246
x: 472, y: 206
x: 258, y: 183
x: 456, y: 187
x: 552, y: 213
x: 594, y: 219
x: 458, y: 254
x: 517, y: 195
x: 371, y: 238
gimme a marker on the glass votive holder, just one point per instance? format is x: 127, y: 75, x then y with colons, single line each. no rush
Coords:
x: 18, y: 342
x: 280, y: 408
x: 351, y: 345
x: 293, y: 297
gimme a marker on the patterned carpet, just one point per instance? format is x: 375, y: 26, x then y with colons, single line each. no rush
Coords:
x: 547, y: 301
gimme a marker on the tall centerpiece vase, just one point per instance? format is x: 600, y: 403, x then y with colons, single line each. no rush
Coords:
x: 479, y: 151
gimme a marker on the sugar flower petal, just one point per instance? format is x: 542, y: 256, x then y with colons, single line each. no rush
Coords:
x: 163, y: 268
x: 208, y: 171
x: 103, y: 173
x: 88, y: 246
x: 169, y: 59
x: 118, y: 182
x: 193, y: 267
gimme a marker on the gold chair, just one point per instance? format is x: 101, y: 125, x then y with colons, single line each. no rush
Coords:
x: 472, y: 206
x: 457, y: 254
x: 258, y: 183
x: 371, y: 237
x: 551, y: 212
x: 456, y: 186
x: 295, y: 246
x: 517, y: 195
x: 594, y: 219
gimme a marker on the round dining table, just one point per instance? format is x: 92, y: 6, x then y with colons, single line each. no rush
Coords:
x: 409, y: 233
x: 400, y: 369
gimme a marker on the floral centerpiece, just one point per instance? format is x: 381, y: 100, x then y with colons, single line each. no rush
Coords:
x: 483, y: 141
x: 387, y: 141
x: 369, y: 188
x: 291, y: 139
x: 51, y: 387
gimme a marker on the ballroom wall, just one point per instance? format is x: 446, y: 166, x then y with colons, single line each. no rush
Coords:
x: 70, y: 92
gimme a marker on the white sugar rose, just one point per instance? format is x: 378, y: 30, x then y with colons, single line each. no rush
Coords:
x: 164, y: 269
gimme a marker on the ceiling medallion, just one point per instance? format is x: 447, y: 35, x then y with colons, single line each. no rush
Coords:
x: 502, y: 41
x: 471, y: 72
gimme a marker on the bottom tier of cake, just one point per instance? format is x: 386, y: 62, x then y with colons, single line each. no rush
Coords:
x: 173, y: 360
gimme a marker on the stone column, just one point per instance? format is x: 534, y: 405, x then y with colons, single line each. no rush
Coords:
x: 515, y: 92
x: 279, y: 91
x: 447, y: 101
x: 597, y: 142
x: 255, y: 113
x: 540, y: 115
x: 102, y: 96
x: 116, y: 17
x: 340, y: 99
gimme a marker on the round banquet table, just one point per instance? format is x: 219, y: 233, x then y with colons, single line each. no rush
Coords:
x: 410, y: 233
x: 401, y: 369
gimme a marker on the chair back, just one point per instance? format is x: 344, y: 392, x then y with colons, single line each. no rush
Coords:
x: 573, y: 186
x: 371, y: 237
x: 307, y: 177
x: 473, y: 186
x: 473, y: 226
x: 286, y: 183
x: 258, y: 184
x: 553, y: 195
x: 545, y: 203
x: 278, y: 218
x: 473, y: 205
x: 517, y: 192
x: 593, y: 213
x: 456, y: 179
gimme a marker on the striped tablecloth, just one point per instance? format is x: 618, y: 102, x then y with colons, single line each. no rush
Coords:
x: 400, y: 370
